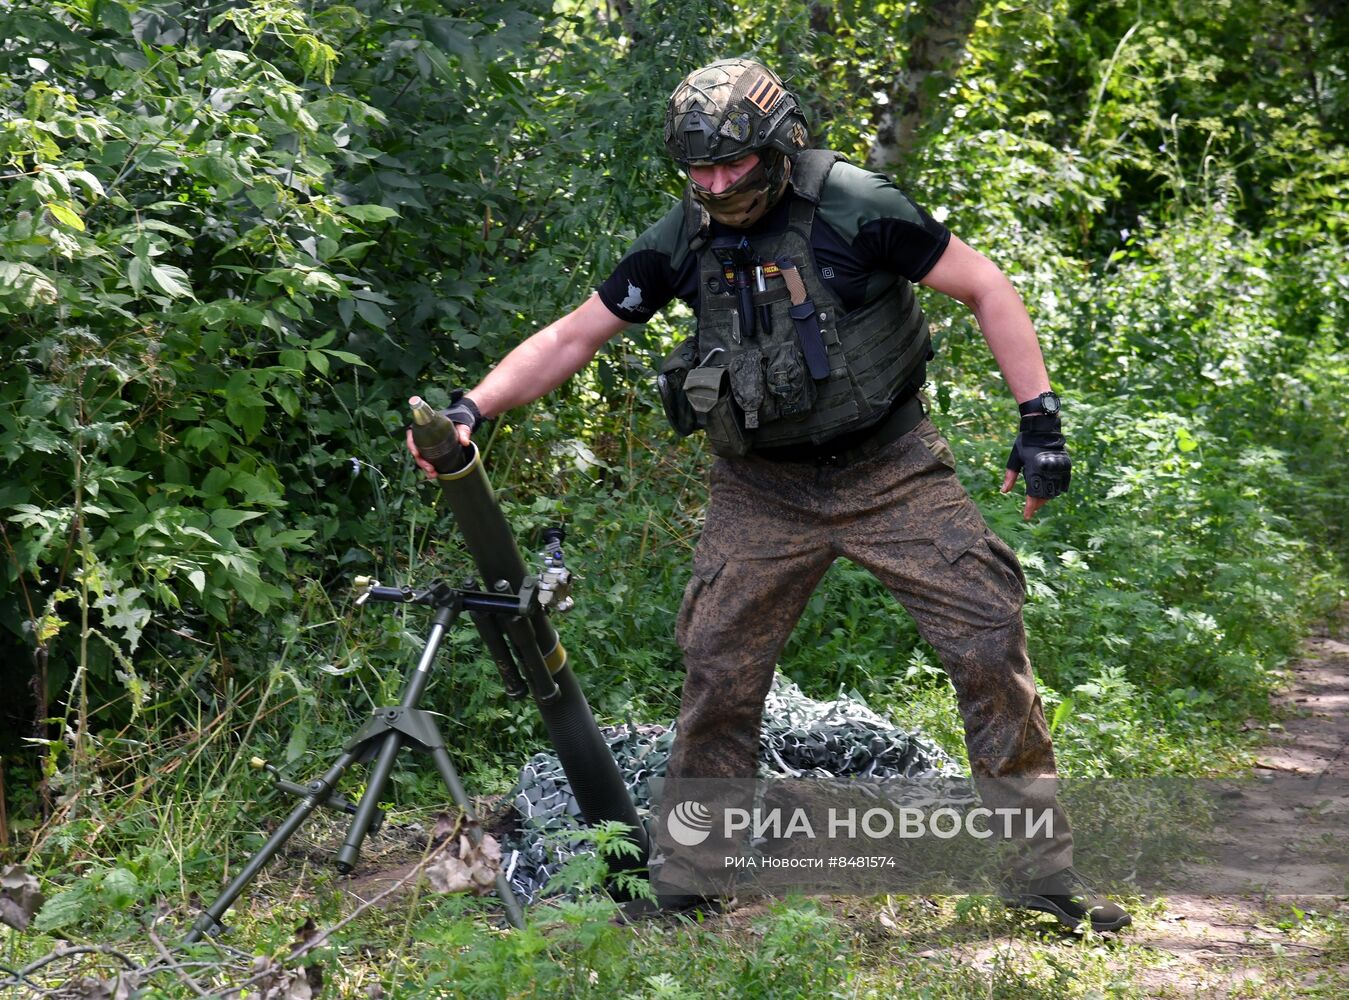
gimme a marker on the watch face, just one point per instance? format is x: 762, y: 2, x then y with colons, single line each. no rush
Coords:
x: 1049, y: 403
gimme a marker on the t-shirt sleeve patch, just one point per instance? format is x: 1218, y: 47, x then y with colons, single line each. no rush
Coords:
x: 645, y: 280
x: 640, y: 285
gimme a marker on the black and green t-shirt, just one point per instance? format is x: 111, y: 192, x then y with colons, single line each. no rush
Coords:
x: 864, y: 228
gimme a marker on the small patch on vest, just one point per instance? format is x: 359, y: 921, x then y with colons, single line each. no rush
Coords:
x: 634, y: 300
x: 827, y: 273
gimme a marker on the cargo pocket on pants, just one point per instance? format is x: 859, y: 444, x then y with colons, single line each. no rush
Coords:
x: 953, y: 540
x: 706, y: 568
x: 981, y: 587
x: 1006, y: 558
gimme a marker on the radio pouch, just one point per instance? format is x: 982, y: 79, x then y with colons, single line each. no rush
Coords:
x: 709, y: 394
x: 670, y: 383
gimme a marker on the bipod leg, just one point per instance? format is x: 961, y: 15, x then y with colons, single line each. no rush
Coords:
x: 319, y: 792
x: 407, y: 726
x: 391, y: 743
x: 385, y: 734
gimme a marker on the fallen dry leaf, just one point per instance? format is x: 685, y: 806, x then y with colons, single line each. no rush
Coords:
x: 20, y: 897
x: 472, y: 869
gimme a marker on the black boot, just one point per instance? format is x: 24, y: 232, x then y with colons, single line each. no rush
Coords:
x: 666, y: 906
x: 1068, y: 896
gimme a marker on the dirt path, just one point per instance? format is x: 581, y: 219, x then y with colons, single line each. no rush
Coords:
x: 1222, y: 944
x: 1316, y: 739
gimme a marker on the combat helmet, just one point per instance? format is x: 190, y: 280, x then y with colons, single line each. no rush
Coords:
x: 726, y: 110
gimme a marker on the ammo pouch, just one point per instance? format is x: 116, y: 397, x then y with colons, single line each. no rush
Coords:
x: 791, y: 390
x: 758, y: 385
x: 709, y: 394
x: 670, y: 383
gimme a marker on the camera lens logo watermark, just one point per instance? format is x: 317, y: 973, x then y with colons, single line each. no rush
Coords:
x: 689, y: 823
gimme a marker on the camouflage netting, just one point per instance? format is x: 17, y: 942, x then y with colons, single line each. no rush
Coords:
x: 801, y: 738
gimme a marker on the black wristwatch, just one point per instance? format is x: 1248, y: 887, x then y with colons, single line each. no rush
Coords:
x: 1046, y: 403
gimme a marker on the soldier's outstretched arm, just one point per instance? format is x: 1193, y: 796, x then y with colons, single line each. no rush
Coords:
x: 547, y: 359
x: 967, y: 275
x: 540, y: 364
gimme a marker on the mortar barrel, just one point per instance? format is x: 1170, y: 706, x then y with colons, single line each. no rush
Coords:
x: 585, y: 757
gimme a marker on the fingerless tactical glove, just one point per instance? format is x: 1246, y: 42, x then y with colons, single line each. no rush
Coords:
x: 1040, y: 454
x: 463, y: 410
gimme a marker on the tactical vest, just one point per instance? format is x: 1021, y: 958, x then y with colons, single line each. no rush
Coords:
x: 777, y: 361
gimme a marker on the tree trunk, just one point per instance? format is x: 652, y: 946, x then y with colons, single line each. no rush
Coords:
x: 935, y: 47
x: 624, y: 12
x: 4, y: 817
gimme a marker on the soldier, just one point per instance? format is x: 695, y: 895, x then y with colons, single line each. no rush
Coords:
x: 805, y: 373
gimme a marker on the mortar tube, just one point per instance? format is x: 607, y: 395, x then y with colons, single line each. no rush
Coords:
x: 491, y: 543
x: 585, y: 757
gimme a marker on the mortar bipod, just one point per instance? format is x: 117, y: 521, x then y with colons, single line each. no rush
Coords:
x: 388, y: 731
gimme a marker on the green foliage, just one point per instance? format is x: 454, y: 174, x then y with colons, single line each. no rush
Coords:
x: 105, y: 897
x: 169, y: 241
x: 573, y: 950
x: 237, y: 235
x: 607, y: 851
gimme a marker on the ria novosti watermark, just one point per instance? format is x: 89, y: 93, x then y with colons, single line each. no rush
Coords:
x: 1173, y: 835
x: 691, y: 823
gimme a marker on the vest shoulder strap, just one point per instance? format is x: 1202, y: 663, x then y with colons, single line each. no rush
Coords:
x: 809, y: 169
x: 697, y: 222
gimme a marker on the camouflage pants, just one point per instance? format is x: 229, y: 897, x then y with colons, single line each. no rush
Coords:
x: 773, y: 529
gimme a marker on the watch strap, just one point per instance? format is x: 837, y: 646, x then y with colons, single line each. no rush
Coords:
x: 1036, y: 404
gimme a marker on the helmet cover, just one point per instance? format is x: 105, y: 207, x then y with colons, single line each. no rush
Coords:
x: 731, y: 108
x: 725, y: 111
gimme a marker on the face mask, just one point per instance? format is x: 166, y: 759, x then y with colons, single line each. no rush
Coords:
x: 744, y: 202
